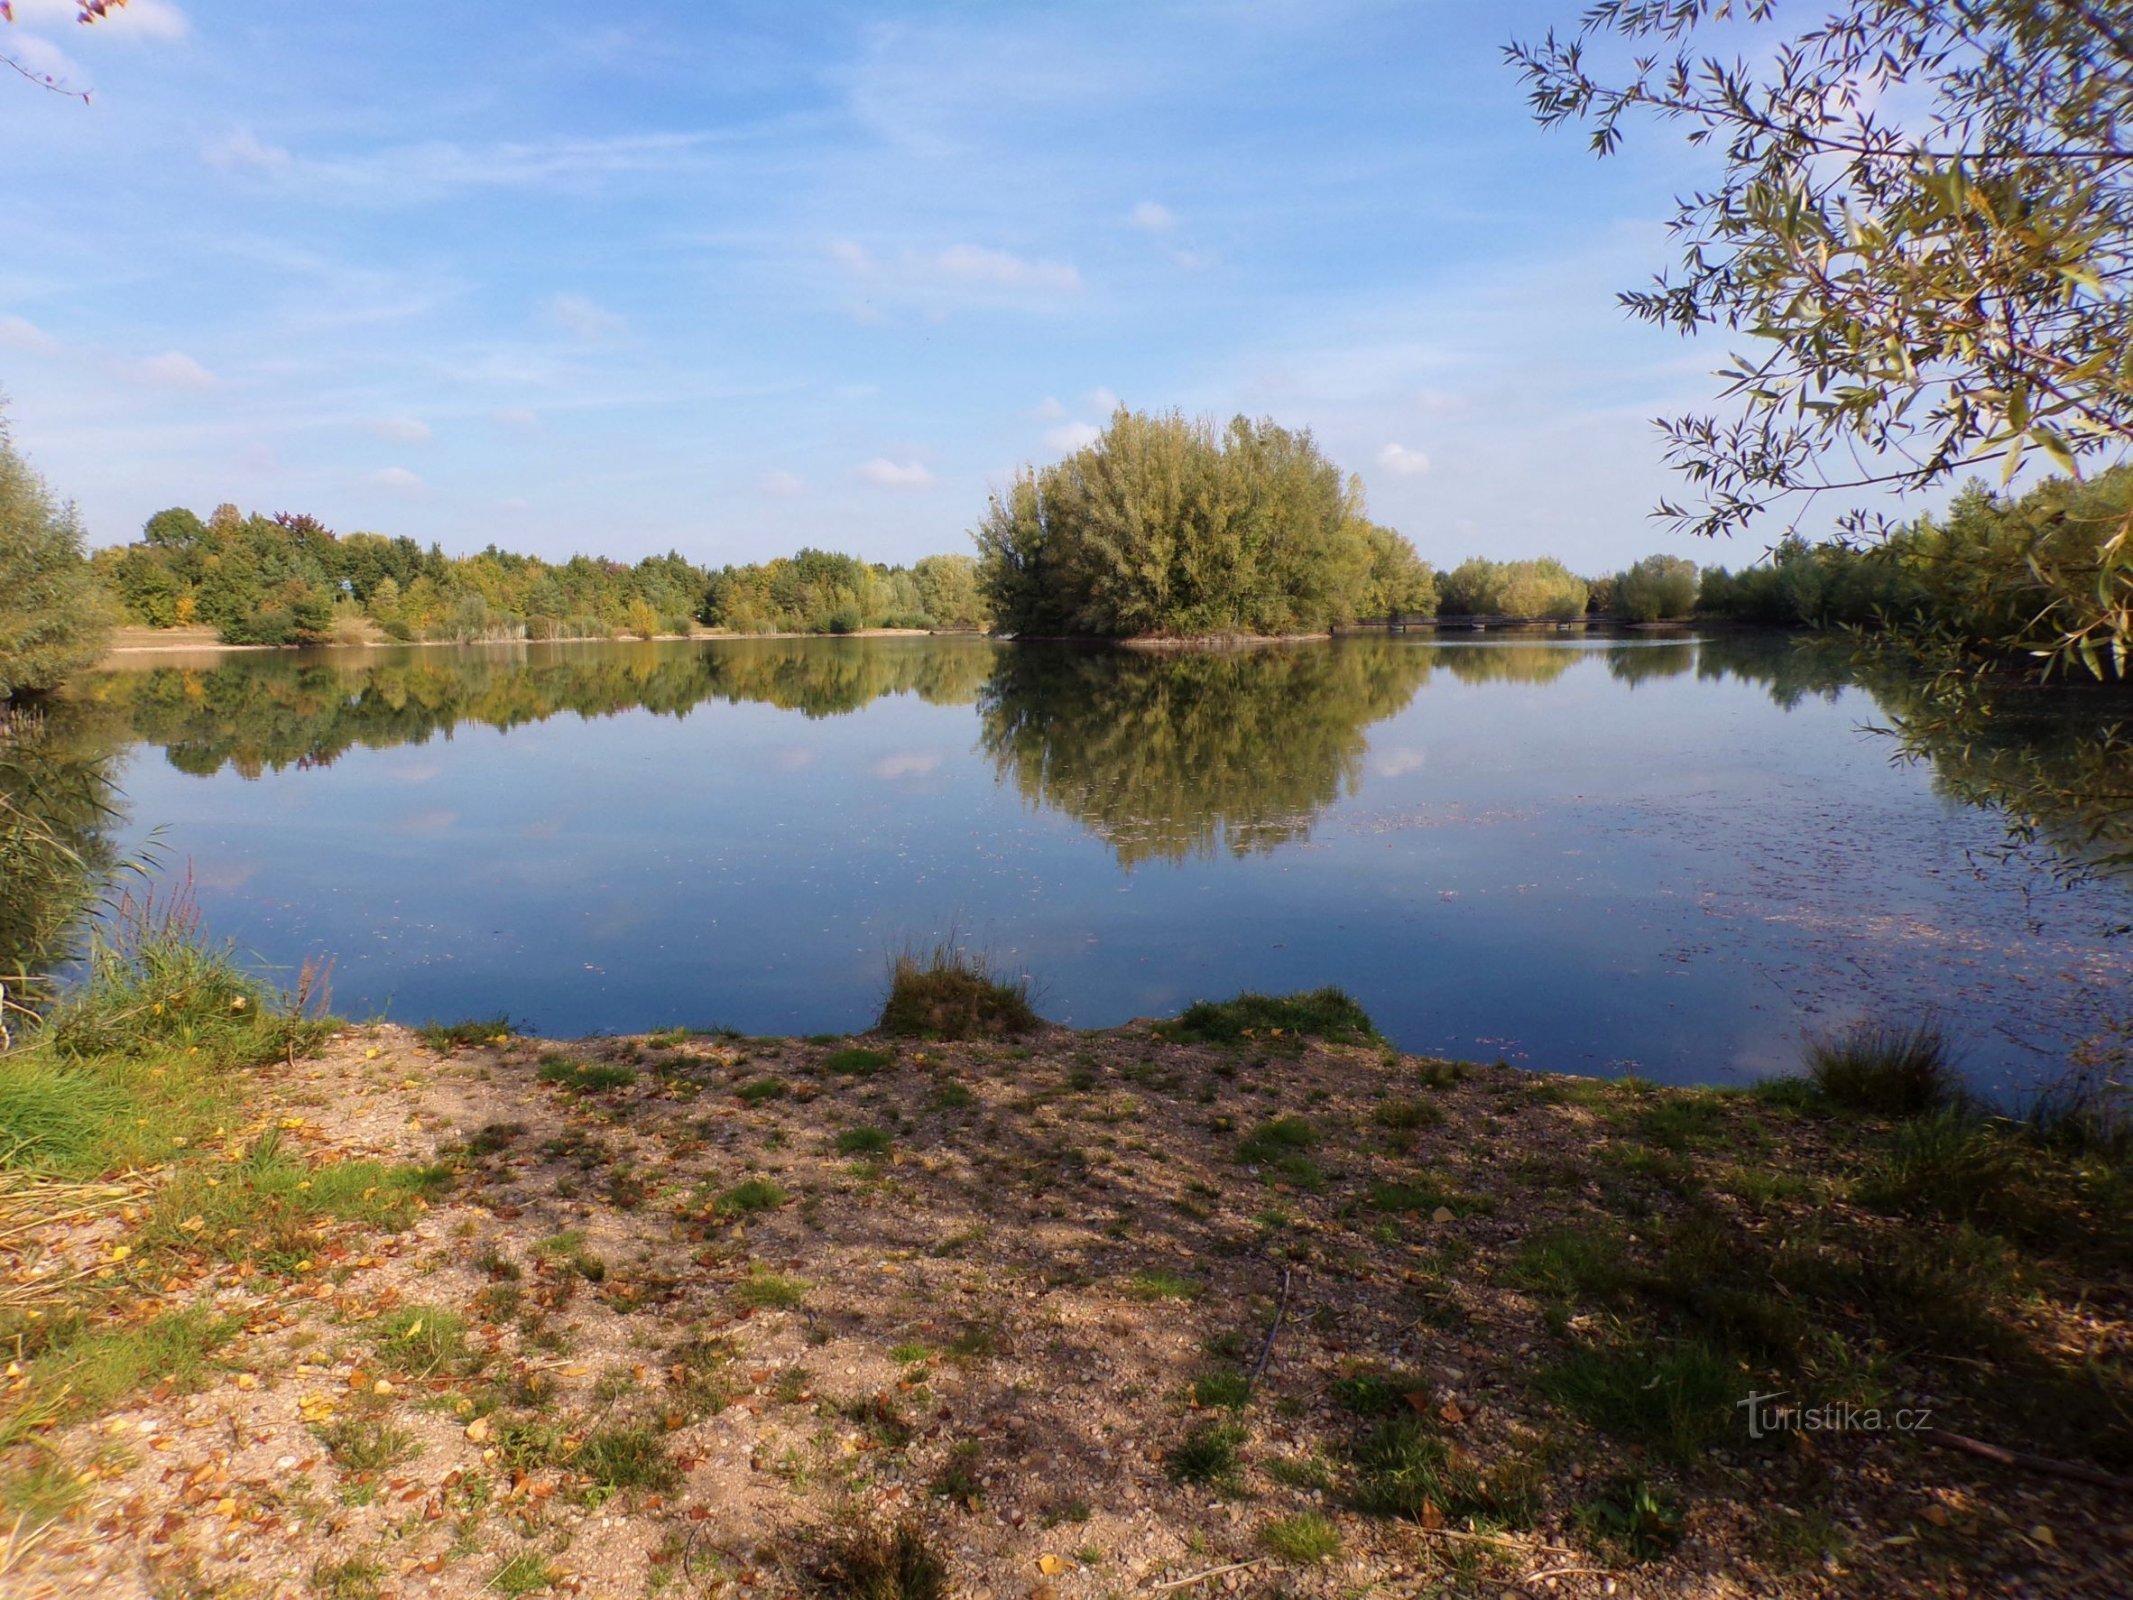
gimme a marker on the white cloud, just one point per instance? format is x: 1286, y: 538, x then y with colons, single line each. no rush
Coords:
x: 19, y: 333
x: 40, y: 58
x: 515, y: 505
x: 1152, y: 217
x: 886, y: 474
x: 1104, y: 400
x: 244, y: 151
x: 782, y: 485
x: 914, y: 764
x: 1048, y: 410
x: 402, y: 430
x: 1399, y: 459
x: 976, y: 264
x: 850, y: 255
x: 517, y: 418
x: 1397, y: 763
x: 171, y: 370
x: 1071, y: 436
x: 581, y: 318
x: 397, y: 479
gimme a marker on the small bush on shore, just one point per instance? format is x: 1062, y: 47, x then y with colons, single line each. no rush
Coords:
x: 1330, y: 1014
x: 952, y: 993
x: 1881, y: 1068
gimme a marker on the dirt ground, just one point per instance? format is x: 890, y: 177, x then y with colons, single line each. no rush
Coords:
x: 691, y: 1307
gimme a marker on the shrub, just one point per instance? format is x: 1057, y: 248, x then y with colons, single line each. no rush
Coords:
x: 1330, y: 1014
x: 54, y: 616
x: 951, y: 993
x: 1884, y: 1068
x: 1656, y: 589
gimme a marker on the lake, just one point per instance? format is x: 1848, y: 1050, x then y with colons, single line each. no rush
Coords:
x: 1669, y: 855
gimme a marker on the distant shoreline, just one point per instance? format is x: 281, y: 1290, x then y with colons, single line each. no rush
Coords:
x: 129, y: 642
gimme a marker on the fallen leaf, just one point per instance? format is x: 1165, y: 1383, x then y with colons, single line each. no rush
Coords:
x: 1050, y: 1566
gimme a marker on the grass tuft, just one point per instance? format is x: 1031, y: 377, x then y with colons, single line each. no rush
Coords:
x: 1305, y: 1537
x: 875, y: 1563
x: 1885, y: 1069
x: 1330, y: 1014
x: 952, y: 993
x: 456, y: 1035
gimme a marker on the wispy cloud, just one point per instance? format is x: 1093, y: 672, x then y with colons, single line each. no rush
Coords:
x: 1153, y: 217
x: 783, y: 485
x: 582, y: 318
x: 886, y: 474
x: 1407, y: 463
x: 402, y: 430
x: 244, y: 151
x: 979, y: 265
x: 173, y: 369
x: 397, y: 480
x: 1071, y: 436
x: 19, y: 333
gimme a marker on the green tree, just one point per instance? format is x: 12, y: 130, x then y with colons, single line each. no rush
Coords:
x: 1657, y: 589
x: 1929, y: 286
x: 55, y: 617
x: 1167, y: 526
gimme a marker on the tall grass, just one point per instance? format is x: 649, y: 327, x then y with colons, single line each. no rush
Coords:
x: 950, y: 992
x: 1891, y: 1070
x: 133, y: 1063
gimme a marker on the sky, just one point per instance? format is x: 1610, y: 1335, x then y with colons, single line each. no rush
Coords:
x: 733, y: 278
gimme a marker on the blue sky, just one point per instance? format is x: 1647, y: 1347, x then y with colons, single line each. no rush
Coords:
x: 731, y: 278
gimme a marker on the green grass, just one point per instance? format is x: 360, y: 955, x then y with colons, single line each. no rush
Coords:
x: 1405, y: 1116
x: 1305, y: 1537
x: 876, y: 1563
x: 584, y: 1077
x: 763, y: 1290
x: 524, y: 1573
x: 1223, y: 1387
x: 1889, y: 1070
x: 1271, y: 1141
x: 422, y: 1341
x: 1329, y: 1014
x: 355, y: 1578
x: 84, y: 1371
x: 1678, y: 1397
x: 457, y: 1035
x: 863, y: 1142
x: 367, y: 1445
x: 763, y: 1090
x: 1380, y: 1394
x: 1638, y: 1517
x: 268, y: 1207
x: 625, y: 1456
x: 1577, y: 1264
x: 953, y: 993
x: 857, y: 1061
x: 958, y: 1479
x: 1207, y: 1454
x: 1402, y: 1469
x: 749, y: 1196
x: 41, y: 1492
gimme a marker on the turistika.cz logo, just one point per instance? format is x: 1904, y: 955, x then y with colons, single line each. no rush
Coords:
x: 1770, y: 1414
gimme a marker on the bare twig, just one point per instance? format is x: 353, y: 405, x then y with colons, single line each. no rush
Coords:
x: 1266, y: 1348
x: 1202, y: 1577
x: 2023, y: 1461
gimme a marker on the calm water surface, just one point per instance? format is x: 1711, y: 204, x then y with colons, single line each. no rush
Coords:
x: 1672, y: 856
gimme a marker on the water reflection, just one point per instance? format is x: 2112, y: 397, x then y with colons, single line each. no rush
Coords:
x: 259, y: 713
x: 1164, y: 757
x: 1169, y: 756
x: 57, y: 813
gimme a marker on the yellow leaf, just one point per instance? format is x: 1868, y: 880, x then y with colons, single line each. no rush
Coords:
x: 1050, y: 1566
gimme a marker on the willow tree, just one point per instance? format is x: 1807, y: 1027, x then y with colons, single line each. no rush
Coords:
x: 1923, y: 218
x: 1166, y: 525
x: 54, y: 615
